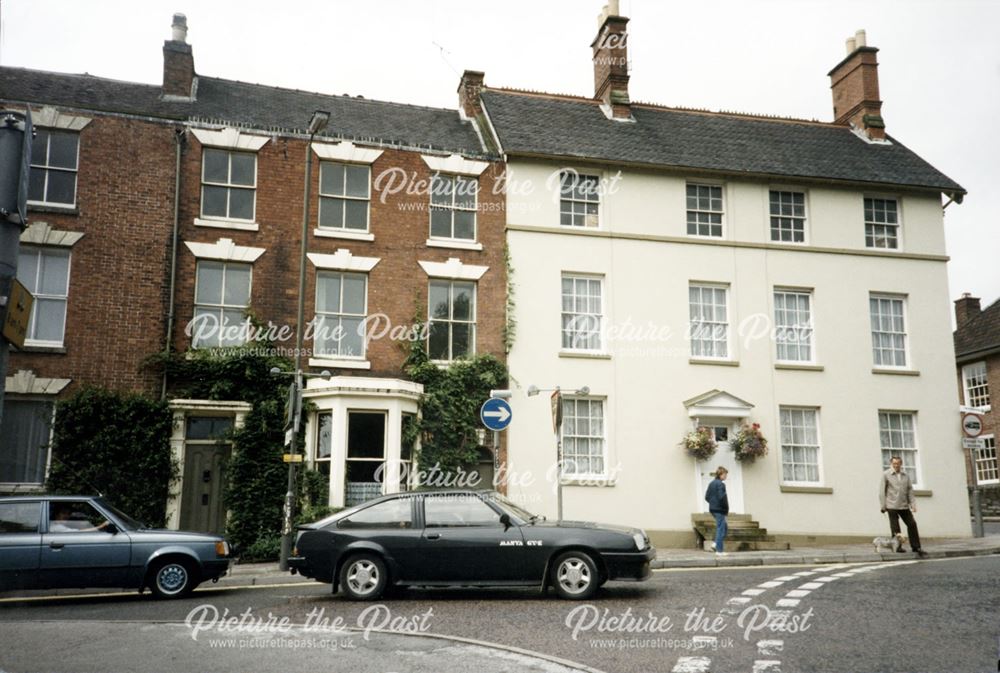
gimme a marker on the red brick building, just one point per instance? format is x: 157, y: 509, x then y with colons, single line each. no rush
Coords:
x: 174, y: 212
x: 977, y: 353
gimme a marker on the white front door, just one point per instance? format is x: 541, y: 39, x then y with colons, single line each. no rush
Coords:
x: 723, y: 457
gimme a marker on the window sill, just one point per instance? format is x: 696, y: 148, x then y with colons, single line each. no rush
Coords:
x: 226, y: 224
x: 340, y: 363
x: 797, y: 367
x: 41, y: 348
x: 923, y: 493
x: 896, y: 372
x: 52, y: 208
x: 599, y: 482
x: 585, y: 355
x: 347, y: 234
x: 821, y: 490
x: 453, y: 244
x: 721, y: 363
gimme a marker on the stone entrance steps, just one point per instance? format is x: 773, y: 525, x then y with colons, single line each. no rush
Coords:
x: 744, y: 534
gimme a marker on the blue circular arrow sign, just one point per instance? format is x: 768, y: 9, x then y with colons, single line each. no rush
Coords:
x: 495, y: 414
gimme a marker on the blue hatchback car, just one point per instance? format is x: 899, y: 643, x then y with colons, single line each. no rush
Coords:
x: 58, y: 541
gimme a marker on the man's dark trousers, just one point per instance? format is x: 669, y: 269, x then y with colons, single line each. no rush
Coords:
x: 911, y: 526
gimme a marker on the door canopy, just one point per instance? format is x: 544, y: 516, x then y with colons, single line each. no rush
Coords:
x: 717, y: 404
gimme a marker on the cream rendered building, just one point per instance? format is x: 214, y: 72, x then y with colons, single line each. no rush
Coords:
x: 809, y: 256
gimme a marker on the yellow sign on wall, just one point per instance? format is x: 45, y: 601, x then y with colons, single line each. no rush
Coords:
x: 15, y: 322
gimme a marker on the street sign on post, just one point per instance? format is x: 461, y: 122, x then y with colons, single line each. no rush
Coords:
x: 972, y: 424
x: 495, y: 414
x: 17, y: 313
x: 977, y: 444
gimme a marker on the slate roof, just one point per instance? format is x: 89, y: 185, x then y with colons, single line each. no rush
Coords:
x: 981, y: 333
x: 566, y: 127
x: 253, y: 105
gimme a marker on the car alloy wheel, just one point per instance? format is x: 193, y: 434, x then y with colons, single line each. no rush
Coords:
x: 364, y: 577
x: 172, y: 579
x: 575, y: 576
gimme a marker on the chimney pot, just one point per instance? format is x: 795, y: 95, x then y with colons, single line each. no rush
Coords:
x: 179, y: 28
x: 851, y: 46
x: 860, y: 38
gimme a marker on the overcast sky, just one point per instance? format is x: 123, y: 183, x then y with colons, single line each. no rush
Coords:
x: 939, y: 64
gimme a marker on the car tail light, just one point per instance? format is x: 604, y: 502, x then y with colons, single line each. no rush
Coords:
x: 222, y: 548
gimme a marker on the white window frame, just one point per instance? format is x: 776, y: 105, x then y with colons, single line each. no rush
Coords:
x: 803, y: 219
x: 819, y: 446
x: 323, y: 164
x: 601, y: 345
x: 883, y: 296
x: 340, y: 316
x: 698, y: 210
x: 454, y: 207
x: 229, y: 186
x: 316, y: 458
x: 222, y: 307
x: 967, y: 375
x: 729, y: 356
x: 47, y: 168
x: 473, y: 333
x: 987, y: 463
x: 570, y: 199
x: 778, y: 327
x: 901, y: 451
x: 32, y: 321
x: 602, y: 438
x: 899, y: 221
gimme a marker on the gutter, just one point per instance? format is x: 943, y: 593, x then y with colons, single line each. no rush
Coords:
x: 171, y: 305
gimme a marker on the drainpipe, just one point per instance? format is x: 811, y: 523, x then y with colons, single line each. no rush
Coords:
x: 178, y: 143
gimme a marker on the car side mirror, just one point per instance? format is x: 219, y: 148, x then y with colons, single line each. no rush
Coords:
x: 505, y: 520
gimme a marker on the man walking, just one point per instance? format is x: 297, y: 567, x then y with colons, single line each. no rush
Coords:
x: 718, y: 505
x: 896, y: 498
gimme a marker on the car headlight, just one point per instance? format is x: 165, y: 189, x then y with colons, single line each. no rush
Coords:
x: 640, y: 541
x: 222, y: 548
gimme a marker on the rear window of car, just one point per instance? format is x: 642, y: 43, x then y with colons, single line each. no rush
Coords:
x: 388, y: 514
x: 20, y: 517
x: 461, y: 510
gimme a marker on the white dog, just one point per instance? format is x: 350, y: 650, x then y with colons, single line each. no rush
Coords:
x: 893, y: 543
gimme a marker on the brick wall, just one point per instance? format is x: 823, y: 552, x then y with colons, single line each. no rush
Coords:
x: 991, y: 425
x: 119, y: 269
x: 397, y: 286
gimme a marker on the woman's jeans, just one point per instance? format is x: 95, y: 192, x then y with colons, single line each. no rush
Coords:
x: 721, y: 528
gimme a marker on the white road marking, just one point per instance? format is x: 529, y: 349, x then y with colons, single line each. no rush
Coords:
x: 770, y: 585
x: 770, y: 648
x: 754, y: 592
x: 797, y: 593
x: 847, y: 574
x: 692, y: 665
x: 785, y: 578
x: 826, y: 579
x: 766, y: 666
x: 811, y: 585
x: 787, y: 602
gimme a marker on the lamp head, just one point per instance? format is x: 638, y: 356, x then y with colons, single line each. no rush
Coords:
x: 532, y: 390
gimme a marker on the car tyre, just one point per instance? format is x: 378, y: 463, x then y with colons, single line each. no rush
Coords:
x: 364, y: 577
x: 575, y: 575
x: 173, y: 578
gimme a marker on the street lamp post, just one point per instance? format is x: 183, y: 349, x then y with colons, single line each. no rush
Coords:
x: 316, y: 125
x: 557, y: 428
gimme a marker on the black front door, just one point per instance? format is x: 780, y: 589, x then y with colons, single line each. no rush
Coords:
x: 463, y: 540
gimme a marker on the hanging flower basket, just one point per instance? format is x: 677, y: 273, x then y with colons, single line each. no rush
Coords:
x: 749, y: 443
x: 699, y: 444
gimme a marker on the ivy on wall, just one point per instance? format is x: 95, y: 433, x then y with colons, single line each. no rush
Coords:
x: 450, y: 405
x: 117, y: 444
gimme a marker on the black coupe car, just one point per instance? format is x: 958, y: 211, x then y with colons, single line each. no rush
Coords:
x: 464, y: 538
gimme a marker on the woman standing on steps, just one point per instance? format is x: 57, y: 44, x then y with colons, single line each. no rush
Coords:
x: 718, y: 506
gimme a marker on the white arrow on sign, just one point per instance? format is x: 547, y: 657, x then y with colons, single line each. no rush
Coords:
x: 500, y: 413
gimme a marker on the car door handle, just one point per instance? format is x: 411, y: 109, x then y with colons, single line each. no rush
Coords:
x: 433, y: 536
x: 56, y: 545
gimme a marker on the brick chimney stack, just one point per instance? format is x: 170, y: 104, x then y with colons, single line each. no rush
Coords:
x: 966, y: 308
x: 611, y: 61
x: 854, y: 82
x: 469, y: 87
x: 178, y: 62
